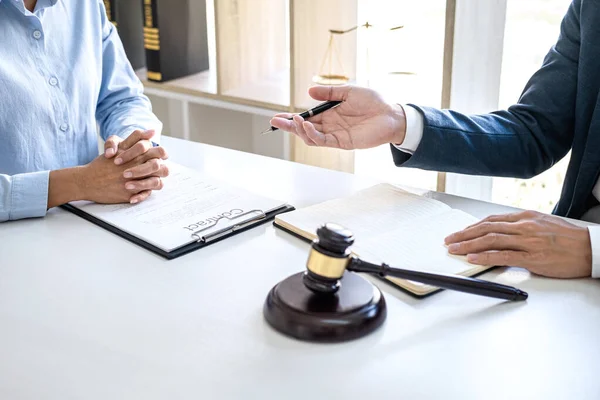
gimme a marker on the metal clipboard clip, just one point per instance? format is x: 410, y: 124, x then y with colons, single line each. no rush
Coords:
x: 258, y: 215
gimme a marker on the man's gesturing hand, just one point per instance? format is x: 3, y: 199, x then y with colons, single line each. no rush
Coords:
x: 544, y: 244
x: 363, y: 120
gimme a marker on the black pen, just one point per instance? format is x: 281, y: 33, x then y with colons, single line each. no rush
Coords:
x: 311, y: 113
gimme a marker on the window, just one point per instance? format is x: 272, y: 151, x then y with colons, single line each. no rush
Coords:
x: 404, y: 65
x: 532, y: 27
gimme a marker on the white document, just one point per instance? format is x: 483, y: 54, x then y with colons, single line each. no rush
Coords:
x: 368, y: 213
x: 188, y: 203
x: 418, y: 244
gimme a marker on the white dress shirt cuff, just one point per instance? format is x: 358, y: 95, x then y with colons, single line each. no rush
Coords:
x: 29, y: 195
x: 414, y: 130
x: 594, y: 232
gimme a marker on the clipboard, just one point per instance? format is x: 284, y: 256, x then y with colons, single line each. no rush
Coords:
x: 239, y: 224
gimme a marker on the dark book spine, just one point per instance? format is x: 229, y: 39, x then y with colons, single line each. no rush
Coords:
x: 152, y: 40
x: 110, y: 11
x: 129, y: 22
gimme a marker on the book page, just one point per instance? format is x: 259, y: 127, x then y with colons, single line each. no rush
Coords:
x: 418, y: 244
x: 367, y: 213
x: 187, y: 203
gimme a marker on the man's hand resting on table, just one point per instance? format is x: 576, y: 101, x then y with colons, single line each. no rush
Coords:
x: 544, y: 244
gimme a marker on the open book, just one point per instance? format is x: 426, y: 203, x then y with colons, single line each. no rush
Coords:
x: 391, y: 225
x: 191, y: 211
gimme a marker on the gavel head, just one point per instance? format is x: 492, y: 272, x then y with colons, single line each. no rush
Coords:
x: 329, y: 256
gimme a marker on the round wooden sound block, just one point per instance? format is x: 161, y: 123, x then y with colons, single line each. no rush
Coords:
x: 357, y: 309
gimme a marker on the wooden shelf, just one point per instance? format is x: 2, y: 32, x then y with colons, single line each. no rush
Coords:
x: 263, y: 56
x: 266, y: 53
x: 252, y: 50
x: 201, y: 83
x: 274, y: 90
x: 202, y: 88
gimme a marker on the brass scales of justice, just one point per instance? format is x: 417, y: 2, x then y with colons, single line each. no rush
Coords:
x: 326, y: 75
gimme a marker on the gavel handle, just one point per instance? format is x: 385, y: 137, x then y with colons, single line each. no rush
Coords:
x: 451, y: 282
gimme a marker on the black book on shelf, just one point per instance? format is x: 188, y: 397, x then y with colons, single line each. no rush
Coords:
x: 175, y: 38
x: 126, y: 15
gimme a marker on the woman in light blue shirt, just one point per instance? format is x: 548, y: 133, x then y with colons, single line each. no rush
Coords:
x: 63, y: 73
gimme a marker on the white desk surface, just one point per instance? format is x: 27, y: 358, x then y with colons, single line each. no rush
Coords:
x: 85, y: 314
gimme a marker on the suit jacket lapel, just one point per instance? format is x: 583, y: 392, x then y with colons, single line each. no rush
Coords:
x: 589, y: 167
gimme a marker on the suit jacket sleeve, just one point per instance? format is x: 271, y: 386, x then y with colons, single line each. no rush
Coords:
x: 522, y: 141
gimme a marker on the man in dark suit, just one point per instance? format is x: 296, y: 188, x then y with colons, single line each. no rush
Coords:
x: 558, y: 111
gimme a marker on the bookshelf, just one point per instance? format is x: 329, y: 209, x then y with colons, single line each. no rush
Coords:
x: 231, y: 103
x: 263, y: 55
x: 201, y: 84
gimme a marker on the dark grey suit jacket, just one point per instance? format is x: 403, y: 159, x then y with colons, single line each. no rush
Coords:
x: 558, y: 111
